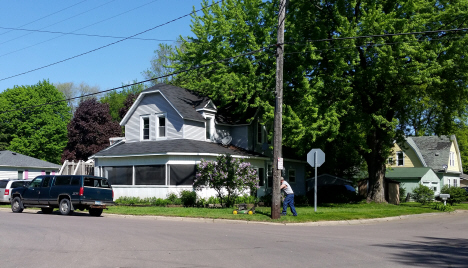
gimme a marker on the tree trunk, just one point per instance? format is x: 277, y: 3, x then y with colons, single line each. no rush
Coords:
x: 376, y: 168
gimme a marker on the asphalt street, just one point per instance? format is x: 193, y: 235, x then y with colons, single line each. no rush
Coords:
x: 33, y: 239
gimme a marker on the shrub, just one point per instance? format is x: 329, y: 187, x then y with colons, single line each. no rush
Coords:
x: 266, y: 199
x: 188, y: 198
x: 301, y: 200
x: 402, y: 193
x: 457, y: 194
x: 332, y: 194
x: 442, y: 207
x: 213, y: 200
x: 201, y: 202
x: 228, y: 176
x: 422, y: 194
x: 247, y: 199
x: 173, y: 199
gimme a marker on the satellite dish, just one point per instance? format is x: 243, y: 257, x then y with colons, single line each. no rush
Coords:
x: 226, y: 140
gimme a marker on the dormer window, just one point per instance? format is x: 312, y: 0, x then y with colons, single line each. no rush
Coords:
x: 208, y: 127
x: 161, y: 125
x: 400, y: 156
x: 144, y: 127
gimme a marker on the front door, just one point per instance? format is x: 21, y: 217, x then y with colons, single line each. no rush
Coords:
x: 31, y: 195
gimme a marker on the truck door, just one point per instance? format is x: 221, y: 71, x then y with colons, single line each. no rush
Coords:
x: 31, y: 195
x: 44, y: 196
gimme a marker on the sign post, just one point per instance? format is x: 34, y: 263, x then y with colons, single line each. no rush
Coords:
x: 315, y: 158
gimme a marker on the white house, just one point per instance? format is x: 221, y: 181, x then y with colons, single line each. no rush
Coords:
x: 17, y: 166
x: 168, y: 130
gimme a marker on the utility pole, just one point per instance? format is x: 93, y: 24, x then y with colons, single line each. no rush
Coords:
x: 278, y: 124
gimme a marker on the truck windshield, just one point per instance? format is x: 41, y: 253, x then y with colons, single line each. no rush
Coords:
x: 95, y: 182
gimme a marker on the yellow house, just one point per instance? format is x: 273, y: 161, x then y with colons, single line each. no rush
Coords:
x: 440, y: 154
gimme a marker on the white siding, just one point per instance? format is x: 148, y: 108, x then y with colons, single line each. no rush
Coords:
x: 152, y: 104
x: 194, y: 130
x: 12, y: 172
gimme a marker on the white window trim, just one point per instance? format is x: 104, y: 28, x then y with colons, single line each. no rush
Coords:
x: 402, y: 158
x: 211, y: 126
x: 157, y: 126
x: 295, y: 176
x: 142, y: 117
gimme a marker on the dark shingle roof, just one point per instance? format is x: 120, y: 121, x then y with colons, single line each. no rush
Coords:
x: 185, y: 101
x: 12, y: 159
x: 173, y: 146
x: 435, y: 150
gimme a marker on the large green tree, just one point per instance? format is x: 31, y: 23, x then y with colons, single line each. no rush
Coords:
x: 116, y: 99
x: 365, y: 92
x: 40, y: 131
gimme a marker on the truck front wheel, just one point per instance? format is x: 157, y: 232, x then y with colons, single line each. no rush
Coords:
x: 95, y: 212
x: 16, y: 205
x: 65, y: 207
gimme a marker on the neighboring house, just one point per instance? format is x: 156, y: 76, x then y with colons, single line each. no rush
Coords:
x: 168, y: 130
x: 17, y: 166
x: 428, y: 160
x: 326, y: 179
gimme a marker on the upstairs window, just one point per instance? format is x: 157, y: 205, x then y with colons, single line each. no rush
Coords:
x: 161, y: 126
x: 208, y: 127
x: 452, y: 159
x: 400, y: 156
x: 145, y: 128
x: 259, y: 133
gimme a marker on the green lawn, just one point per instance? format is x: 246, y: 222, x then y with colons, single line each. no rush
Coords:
x: 331, y: 212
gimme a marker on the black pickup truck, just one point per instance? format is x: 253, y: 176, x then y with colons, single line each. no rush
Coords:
x: 65, y: 192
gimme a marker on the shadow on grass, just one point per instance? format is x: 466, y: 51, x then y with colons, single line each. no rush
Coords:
x: 431, y: 252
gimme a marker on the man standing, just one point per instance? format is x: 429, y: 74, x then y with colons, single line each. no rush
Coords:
x: 289, y: 200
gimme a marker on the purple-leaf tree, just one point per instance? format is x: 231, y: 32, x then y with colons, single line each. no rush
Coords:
x: 228, y: 176
x: 89, y: 130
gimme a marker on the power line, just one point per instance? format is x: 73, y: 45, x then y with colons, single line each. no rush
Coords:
x: 371, y: 44
x: 113, y: 43
x: 61, y: 21
x: 377, y: 35
x: 145, y: 81
x: 46, y: 16
x: 77, y: 29
x: 90, y: 35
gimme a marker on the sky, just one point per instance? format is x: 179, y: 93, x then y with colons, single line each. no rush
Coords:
x: 109, y: 67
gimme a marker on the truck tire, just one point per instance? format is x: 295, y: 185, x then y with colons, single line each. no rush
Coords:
x: 16, y: 205
x: 65, y: 207
x: 95, y: 212
x: 47, y: 210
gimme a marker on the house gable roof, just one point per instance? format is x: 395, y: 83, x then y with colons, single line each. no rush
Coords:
x: 434, y: 150
x: 12, y: 159
x: 409, y: 172
x: 184, y: 101
x: 173, y: 147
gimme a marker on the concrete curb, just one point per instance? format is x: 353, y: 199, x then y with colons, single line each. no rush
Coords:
x: 317, y: 223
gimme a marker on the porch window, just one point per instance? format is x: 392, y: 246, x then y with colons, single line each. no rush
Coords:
x: 150, y: 175
x: 122, y: 175
x: 270, y: 176
x: 208, y: 127
x: 145, y: 128
x: 400, y: 156
x: 182, y: 174
x: 261, y: 176
x: 292, y: 176
x: 455, y: 183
